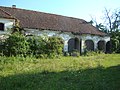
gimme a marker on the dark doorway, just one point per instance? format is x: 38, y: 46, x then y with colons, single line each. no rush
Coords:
x: 74, y: 44
x: 89, y: 45
x: 71, y: 45
x: 108, y: 47
x: 77, y: 44
x: 101, y: 45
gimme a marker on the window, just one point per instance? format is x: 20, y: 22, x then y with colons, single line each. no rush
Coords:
x: 1, y: 26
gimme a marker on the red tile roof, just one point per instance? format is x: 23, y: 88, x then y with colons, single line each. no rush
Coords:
x: 4, y: 14
x: 39, y: 20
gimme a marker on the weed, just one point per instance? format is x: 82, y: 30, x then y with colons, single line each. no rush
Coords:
x: 99, y: 72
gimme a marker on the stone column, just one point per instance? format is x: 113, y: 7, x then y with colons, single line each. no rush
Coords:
x: 66, y: 46
x: 95, y: 45
x: 82, y: 45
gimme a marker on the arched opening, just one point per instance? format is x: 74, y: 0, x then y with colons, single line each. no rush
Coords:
x: 71, y: 45
x: 108, y: 46
x: 77, y: 44
x: 1, y: 26
x: 89, y: 45
x: 74, y: 44
x: 101, y: 45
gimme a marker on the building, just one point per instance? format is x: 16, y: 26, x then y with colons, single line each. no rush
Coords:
x: 76, y: 33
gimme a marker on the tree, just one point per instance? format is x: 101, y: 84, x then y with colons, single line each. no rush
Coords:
x: 112, y: 20
x: 111, y: 26
x: 99, y: 26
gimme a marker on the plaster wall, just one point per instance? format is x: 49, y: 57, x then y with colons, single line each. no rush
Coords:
x: 8, y: 24
x: 68, y: 35
x: 64, y: 35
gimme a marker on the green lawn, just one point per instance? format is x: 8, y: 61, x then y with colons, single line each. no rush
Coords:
x: 100, y: 72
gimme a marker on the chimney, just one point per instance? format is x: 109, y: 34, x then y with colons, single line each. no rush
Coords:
x: 13, y: 6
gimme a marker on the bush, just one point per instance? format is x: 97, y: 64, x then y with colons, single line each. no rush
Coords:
x: 15, y: 45
x: 1, y: 48
x: 54, y: 46
x: 37, y: 46
x: 115, y: 40
x: 19, y: 45
x: 45, y: 46
x: 75, y: 53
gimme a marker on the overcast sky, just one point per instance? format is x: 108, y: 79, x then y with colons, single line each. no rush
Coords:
x: 83, y: 9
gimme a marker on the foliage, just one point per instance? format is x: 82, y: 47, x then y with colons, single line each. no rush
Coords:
x: 75, y: 53
x: 93, y: 53
x: 102, y: 28
x: 54, y: 46
x: 115, y: 39
x: 100, y: 72
x: 112, y: 19
x: 46, y: 46
x: 17, y: 29
x: 15, y: 45
x: 111, y: 26
x: 19, y: 45
x: 1, y: 48
x: 37, y: 46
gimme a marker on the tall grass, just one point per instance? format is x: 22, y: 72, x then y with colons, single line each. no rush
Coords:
x: 100, y: 72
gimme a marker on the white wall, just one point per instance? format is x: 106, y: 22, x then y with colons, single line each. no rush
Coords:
x: 8, y: 23
x: 65, y: 35
x: 68, y: 35
x: 94, y: 38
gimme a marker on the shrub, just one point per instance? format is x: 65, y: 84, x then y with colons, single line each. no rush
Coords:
x: 19, y: 45
x: 37, y: 45
x: 1, y: 48
x: 45, y: 46
x: 54, y: 46
x: 75, y: 52
x: 15, y: 45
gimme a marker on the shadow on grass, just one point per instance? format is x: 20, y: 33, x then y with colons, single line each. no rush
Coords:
x: 89, y: 79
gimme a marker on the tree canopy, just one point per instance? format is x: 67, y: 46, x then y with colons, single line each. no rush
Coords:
x: 111, y: 25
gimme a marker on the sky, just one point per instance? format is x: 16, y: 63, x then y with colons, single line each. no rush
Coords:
x: 83, y: 9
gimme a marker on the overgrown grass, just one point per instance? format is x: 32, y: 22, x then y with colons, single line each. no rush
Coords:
x: 100, y: 72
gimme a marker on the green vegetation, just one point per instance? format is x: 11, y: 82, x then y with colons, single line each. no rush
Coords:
x: 100, y: 72
x: 15, y: 45
x: 111, y: 26
x: 18, y: 44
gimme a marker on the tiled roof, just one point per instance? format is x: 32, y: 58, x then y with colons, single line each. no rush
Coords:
x: 4, y: 14
x: 39, y: 20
